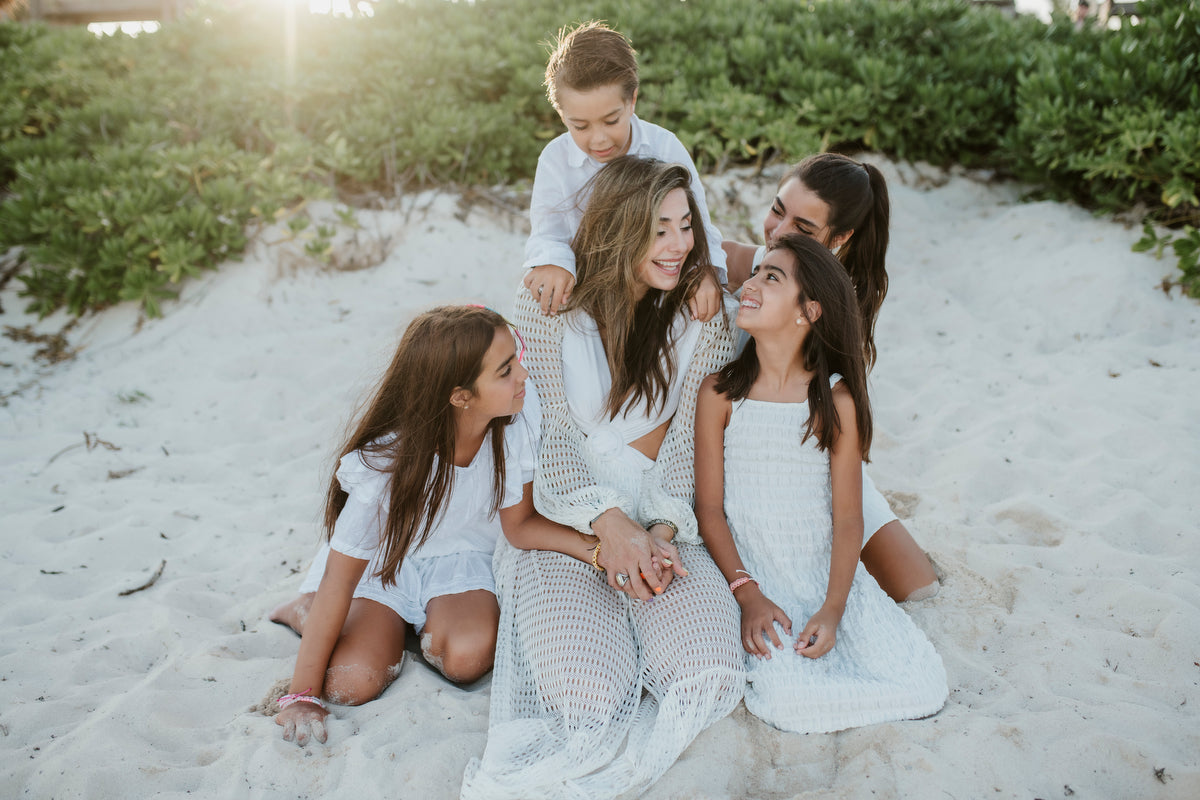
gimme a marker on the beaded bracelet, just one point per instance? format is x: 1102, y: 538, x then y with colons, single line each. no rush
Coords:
x: 741, y: 582
x: 299, y: 697
x: 596, y: 558
x: 674, y: 528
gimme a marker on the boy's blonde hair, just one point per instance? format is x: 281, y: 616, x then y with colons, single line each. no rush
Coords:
x: 589, y: 56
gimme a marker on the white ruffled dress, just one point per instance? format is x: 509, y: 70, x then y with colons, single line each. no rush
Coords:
x: 778, y: 502
x: 595, y: 694
x: 457, y: 556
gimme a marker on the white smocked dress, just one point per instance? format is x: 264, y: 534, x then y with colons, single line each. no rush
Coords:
x: 595, y: 694
x: 778, y: 502
x: 877, y: 512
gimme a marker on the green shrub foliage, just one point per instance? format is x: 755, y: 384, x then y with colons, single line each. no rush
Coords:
x: 128, y: 165
x: 1112, y: 119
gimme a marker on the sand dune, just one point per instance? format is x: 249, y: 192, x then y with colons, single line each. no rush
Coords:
x: 1036, y: 404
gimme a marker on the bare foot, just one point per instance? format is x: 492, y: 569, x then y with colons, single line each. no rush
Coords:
x: 293, y: 613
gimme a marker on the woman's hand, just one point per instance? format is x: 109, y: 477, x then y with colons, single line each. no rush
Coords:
x: 820, y: 634
x: 627, y: 549
x: 759, y: 616
x: 302, y: 721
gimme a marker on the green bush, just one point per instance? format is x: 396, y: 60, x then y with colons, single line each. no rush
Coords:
x: 128, y: 165
x: 1112, y: 120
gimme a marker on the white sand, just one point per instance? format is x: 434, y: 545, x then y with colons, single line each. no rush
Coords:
x: 1036, y: 405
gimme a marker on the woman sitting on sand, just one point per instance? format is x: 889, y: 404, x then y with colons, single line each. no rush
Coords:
x: 843, y: 204
x: 640, y: 646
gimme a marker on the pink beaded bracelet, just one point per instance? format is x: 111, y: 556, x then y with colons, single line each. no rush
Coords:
x: 740, y: 582
x: 299, y: 697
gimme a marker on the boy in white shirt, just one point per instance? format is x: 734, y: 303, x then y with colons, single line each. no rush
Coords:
x: 592, y: 82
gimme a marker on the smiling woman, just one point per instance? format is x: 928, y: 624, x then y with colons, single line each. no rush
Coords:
x: 585, y: 661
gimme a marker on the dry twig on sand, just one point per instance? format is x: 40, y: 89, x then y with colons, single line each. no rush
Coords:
x: 157, y: 574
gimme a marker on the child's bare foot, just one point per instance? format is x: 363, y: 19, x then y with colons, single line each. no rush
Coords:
x: 293, y: 613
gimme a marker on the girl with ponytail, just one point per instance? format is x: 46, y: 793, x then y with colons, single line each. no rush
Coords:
x: 843, y: 204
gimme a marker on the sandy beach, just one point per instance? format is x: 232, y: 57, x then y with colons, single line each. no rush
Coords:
x: 1037, y: 428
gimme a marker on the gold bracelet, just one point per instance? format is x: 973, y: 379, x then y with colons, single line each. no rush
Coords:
x: 596, y: 557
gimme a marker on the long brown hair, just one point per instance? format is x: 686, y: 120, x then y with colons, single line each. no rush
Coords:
x: 614, y: 237
x: 833, y: 345
x: 857, y: 196
x: 408, y: 426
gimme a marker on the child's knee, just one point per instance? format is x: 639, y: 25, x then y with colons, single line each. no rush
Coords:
x: 464, y: 657
x: 355, y: 684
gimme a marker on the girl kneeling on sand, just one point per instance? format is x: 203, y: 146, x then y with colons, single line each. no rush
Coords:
x: 411, y: 516
x: 781, y: 433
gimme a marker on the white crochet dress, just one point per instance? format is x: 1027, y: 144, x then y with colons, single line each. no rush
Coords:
x: 778, y: 503
x: 594, y: 694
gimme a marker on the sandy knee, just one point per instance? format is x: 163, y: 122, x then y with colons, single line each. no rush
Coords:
x: 355, y: 684
x: 462, y: 659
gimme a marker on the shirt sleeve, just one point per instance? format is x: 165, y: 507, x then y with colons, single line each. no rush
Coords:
x: 669, y: 491
x: 359, y: 527
x: 564, y: 489
x: 521, y: 442
x: 677, y: 153
x: 550, y: 230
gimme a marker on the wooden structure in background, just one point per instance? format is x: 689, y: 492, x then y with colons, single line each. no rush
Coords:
x: 82, y: 12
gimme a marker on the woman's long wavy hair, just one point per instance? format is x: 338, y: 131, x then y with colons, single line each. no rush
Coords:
x: 833, y: 345
x: 408, y: 427
x: 857, y: 196
x: 614, y: 238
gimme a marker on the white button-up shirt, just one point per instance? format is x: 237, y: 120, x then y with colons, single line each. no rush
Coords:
x: 563, y: 172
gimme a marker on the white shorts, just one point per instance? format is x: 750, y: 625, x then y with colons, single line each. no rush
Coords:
x: 420, y: 580
x: 876, y: 511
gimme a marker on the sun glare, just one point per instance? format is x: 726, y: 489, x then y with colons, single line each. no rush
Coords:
x: 342, y: 8
x: 339, y: 8
x: 130, y: 28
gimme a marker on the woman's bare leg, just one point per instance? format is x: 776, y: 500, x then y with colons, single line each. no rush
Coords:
x: 899, y: 565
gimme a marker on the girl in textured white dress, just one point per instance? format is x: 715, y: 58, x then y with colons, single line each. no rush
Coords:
x: 411, y: 516
x: 844, y: 205
x: 781, y: 433
x: 610, y: 662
